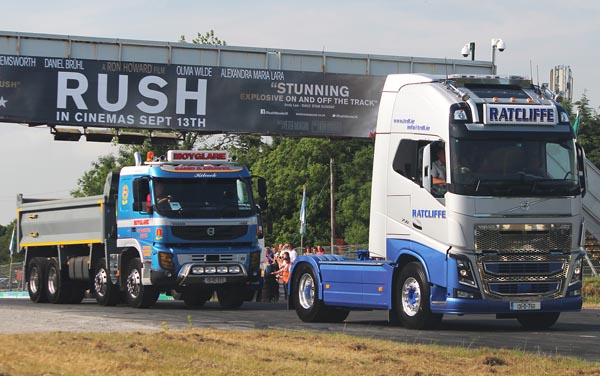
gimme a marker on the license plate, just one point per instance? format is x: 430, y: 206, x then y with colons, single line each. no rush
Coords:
x: 525, y: 306
x: 214, y: 280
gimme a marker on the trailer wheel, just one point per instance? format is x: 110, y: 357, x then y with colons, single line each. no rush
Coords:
x: 36, y: 285
x: 105, y: 292
x: 195, y: 298
x: 411, y: 303
x: 58, y: 286
x: 137, y: 294
x: 231, y: 297
x: 537, y: 321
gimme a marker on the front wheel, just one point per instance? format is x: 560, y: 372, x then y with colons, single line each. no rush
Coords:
x: 411, y: 303
x: 537, y: 321
x: 137, y: 294
x: 308, y: 306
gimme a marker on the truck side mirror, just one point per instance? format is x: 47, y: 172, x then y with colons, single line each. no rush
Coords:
x: 262, y: 187
x: 581, y: 169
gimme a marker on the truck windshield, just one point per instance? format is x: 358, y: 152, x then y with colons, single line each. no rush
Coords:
x: 514, y: 168
x: 206, y: 198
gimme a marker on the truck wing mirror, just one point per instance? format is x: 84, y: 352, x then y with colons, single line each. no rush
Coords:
x: 581, y: 169
x: 262, y: 187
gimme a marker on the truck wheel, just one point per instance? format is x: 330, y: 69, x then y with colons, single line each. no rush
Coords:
x: 105, y: 292
x: 36, y: 285
x: 195, y: 298
x: 537, y: 321
x: 304, y: 292
x: 58, y: 287
x: 231, y: 297
x: 412, y: 299
x: 137, y: 294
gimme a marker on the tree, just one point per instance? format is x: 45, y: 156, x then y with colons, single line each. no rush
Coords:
x: 291, y: 163
x: 589, y: 130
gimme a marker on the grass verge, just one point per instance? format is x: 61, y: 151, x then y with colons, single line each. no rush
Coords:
x: 591, y: 292
x: 215, y: 352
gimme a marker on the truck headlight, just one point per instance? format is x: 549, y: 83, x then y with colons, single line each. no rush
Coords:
x: 222, y: 269
x: 234, y: 269
x: 197, y: 270
x: 577, y: 271
x: 465, y: 273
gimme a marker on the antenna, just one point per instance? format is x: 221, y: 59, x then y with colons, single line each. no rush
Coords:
x: 530, y: 69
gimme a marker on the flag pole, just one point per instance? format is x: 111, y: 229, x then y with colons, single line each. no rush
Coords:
x: 303, y: 217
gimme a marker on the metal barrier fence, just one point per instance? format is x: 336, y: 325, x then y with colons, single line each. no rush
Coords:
x: 11, y: 277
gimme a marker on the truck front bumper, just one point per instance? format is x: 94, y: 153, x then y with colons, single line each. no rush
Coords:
x: 458, y: 306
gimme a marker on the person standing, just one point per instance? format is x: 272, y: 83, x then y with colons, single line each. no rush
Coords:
x: 292, y: 252
x: 284, y: 273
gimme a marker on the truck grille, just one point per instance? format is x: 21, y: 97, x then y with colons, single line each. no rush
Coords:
x: 209, y: 232
x: 523, y: 237
x: 523, y: 260
x: 208, y: 258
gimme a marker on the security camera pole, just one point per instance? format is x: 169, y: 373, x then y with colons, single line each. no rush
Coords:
x: 497, y: 43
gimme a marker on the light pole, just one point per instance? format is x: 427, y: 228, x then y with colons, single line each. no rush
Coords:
x: 469, y: 48
x: 497, y: 43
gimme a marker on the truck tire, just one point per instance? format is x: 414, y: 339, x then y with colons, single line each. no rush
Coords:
x: 58, y: 286
x: 304, y: 294
x: 411, y: 303
x: 195, y: 298
x: 231, y: 297
x: 537, y: 321
x: 137, y: 294
x: 36, y: 286
x: 105, y: 292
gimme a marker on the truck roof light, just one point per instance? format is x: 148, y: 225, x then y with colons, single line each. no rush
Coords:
x: 149, y: 156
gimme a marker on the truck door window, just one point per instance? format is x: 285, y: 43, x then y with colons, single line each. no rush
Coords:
x: 408, y: 160
x: 141, y: 191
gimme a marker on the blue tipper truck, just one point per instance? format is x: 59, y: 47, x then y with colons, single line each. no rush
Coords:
x: 185, y: 224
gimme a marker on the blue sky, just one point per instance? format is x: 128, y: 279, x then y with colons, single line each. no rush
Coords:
x: 538, y: 35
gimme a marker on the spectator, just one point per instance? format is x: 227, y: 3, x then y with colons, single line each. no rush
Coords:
x: 284, y: 272
x: 307, y: 250
x: 270, y: 288
x: 292, y: 252
x: 320, y: 250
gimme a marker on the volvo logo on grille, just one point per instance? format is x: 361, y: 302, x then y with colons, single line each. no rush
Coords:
x: 525, y: 205
x: 210, y: 231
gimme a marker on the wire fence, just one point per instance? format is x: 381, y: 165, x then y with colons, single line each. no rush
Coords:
x: 11, y: 277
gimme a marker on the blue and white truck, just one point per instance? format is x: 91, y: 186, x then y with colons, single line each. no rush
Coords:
x: 185, y: 224
x: 501, y: 233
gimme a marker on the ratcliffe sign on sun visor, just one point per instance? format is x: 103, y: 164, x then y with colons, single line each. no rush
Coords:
x: 111, y: 94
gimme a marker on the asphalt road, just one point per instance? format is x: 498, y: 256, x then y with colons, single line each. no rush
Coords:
x: 575, y: 334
